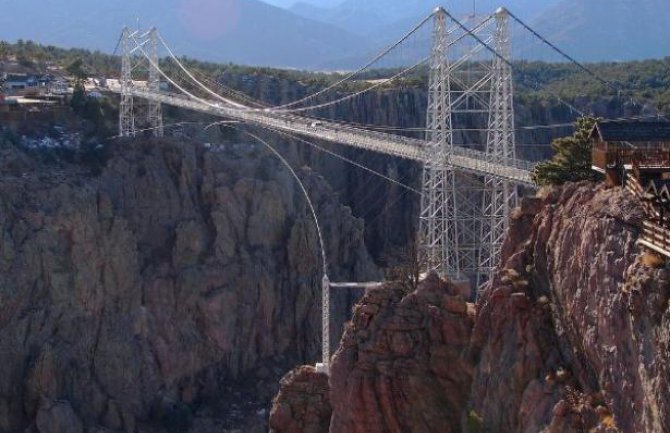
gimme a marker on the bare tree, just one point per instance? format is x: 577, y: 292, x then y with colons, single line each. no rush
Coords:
x: 405, y: 265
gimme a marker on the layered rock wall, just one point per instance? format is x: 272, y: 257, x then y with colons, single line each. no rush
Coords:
x: 168, y: 293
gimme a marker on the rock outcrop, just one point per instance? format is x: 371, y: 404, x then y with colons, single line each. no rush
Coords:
x: 571, y: 335
x: 563, y: 263
x: 401, y: 364
x: 586, y: 345
x: 303, y: 404
x: 169, y: 293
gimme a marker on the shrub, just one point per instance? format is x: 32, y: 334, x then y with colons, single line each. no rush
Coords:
x: 407, y: 265
x: 608, y: 421
x: 475, y: 423
x: 652, y: 260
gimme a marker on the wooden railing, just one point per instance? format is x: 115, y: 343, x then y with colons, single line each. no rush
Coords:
x: 633, y: 186
x: 655, y: 237
x: 655, y: 233
x: 643, y: 158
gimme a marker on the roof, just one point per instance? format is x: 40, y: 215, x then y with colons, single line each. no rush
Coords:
x: 20, y: 78
x: 632, y: 131
x: 659, y: 189
x: 27, y: 101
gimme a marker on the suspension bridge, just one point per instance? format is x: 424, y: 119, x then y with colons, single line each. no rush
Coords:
x: 467, y: 192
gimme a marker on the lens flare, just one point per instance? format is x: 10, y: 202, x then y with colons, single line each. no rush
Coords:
x: 209, y: 19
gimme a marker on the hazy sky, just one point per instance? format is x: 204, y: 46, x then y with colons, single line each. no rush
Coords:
x: 281, y: 3
x: 287, y: 3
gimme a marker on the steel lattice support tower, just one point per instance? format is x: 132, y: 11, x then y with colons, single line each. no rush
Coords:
x: 126, y: 109
x: 325, y: 326
x: 154, y: 109
x: 500, y: 196
x: 438, y: 233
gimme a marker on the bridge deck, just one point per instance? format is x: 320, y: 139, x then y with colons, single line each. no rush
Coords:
x: 473, y: 161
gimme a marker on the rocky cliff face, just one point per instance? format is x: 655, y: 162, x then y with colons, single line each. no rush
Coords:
x: 590, y: 321
x: 570, y: 336
x: 166, y: 294
x: 401, y: 364
x: 303, y: 405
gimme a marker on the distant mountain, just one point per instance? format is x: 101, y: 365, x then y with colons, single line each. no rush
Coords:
x: 340, y: 35
x: 370, y: 16
x: 240, y: 31
x: 365, y: 16
x: 609, y: 30
x: 319, y: 3
x: 384, y: 21
x: 590, y: 30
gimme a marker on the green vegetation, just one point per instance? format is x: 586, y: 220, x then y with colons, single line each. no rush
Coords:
x: 572, y: 159
x: 475, y: 423
x: 36, y: 57
x: 79, y: 73
x: 635, y: 83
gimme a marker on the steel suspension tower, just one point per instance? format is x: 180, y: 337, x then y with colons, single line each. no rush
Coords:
x: 500, y: 196
x: 438, y: 234
x: 126, y: 109
x: 154, y: 109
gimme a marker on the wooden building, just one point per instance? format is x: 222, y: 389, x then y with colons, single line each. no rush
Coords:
x: 637, y: 154
x: 620, y: 147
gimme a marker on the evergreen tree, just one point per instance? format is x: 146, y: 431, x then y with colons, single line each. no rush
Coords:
x: 78, y: 71
x: 572, y: 159
x: 5, y: 50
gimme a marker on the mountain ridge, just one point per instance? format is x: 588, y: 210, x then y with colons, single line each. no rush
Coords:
x: 245, y: 32
x: 305, y: 36
x: 614, y: 30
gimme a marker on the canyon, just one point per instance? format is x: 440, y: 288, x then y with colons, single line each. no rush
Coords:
x: 570, y: 335
x: 168, y: 293
x: 171, y: 287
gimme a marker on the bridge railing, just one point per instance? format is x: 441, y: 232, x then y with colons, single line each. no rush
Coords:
x: 406, y: 147
x: 508, y: 162
x: 421, y: 144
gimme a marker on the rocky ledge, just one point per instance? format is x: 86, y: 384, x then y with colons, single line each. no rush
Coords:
x: 571, y: 335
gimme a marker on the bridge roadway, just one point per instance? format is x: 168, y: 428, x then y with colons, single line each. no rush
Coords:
x: 472, y: 161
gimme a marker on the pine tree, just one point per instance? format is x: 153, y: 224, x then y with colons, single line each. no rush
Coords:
x: 572, y: 159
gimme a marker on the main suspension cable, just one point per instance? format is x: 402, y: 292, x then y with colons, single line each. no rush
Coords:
x: 561, y: 52
x: 187, y: 72
x: 472, y: 34
x: 302, y: 187
x: 281, y: 108
x: 362, y: 69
